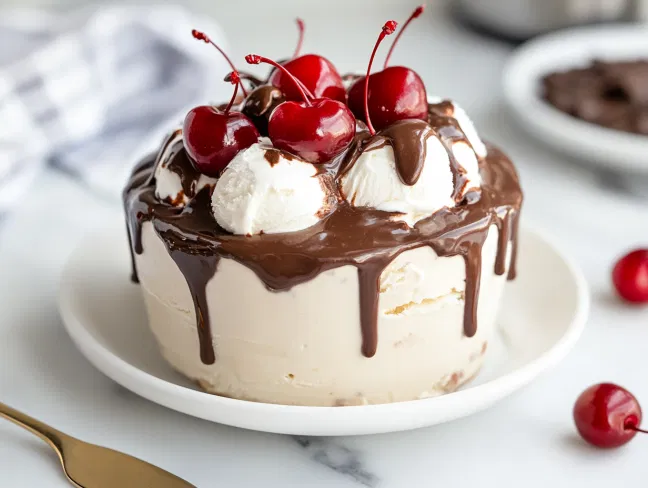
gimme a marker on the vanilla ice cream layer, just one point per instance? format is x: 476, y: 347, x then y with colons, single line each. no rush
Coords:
x: 303, y: 346
x: 266, y: 190
x: 373, y: 181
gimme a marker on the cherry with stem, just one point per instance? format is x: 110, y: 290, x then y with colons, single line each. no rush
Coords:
x: 201, y: 36
x: 607, y: 415
x: 388, y: 29
x: 315, y: 129
x: 394, y: 93
x: 631, y: 426
x: 256, y: 59
x: 314, y: 72
x: 213, y: 137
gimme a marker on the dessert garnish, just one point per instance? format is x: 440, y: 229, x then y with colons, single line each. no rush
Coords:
x: 315, y: 130
x: 316, y: 74
x: 607, y: 415
x: 212, y: 137
x: 630, y: 276
x: 201, y: 36
x: 395, y: 93
x: 260, y: 104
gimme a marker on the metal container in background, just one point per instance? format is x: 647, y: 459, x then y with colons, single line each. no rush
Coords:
x: 522, y: 19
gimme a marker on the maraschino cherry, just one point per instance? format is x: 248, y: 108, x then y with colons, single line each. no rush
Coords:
x: 315, y: 73
x: 607, y: 415
x: 630, y: 276
x: 315, y: 130
x: 395, y: 93
x: 201, y: 36
x: 212, y: 137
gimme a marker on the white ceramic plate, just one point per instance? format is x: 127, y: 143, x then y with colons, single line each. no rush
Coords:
x: 542, y: 317
x: 563, y: 50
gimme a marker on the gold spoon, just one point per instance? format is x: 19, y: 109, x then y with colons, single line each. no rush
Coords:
x: 90, y: 466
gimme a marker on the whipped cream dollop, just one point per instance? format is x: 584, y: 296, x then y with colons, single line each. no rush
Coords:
x: 266, y: 190
x: 374, y: 179
x: 168, y: 183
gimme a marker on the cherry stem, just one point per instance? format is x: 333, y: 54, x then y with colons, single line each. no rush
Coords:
x: 632, y: 426
x: 388, y: 29
x: 201, y: 36
x: 300, y: 41
x: 256, y: 59
x: 235, y: 80
x: 417, y: 12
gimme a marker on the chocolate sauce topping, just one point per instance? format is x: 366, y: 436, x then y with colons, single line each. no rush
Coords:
x: 408, y: 140
x: 260, y: 103
x: 180, y: 164
x: 366, y: 238
x: 273, y: 155
x: 441, y: 115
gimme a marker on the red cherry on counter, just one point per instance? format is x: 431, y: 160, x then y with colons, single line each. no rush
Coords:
x: 213, y: 137
x: 314, y: 130
x: 395, y: 93
x: 630, y: 276
x: 607, y: 415
x: 201, y: 36
x: 316, y: 73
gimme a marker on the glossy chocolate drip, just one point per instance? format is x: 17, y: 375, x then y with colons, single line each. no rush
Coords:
x: 180, y: 164
x: 260, y: 103
x: 440, y: 116
x: 473, y: 260
x: 503, y: 239
x: 197, y: 262
x: 137, y: 207
x: 408, y: 140
x: 273, y: 155
x: 198, y: 270
x: 369, y: 289
x: 515, y: 228
x: 366, y: 238
x: 444, y: 108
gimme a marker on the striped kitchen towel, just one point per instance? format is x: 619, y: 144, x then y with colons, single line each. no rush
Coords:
x: 89, y: 91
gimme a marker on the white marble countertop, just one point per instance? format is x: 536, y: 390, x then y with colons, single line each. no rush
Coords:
x: 527, y: 440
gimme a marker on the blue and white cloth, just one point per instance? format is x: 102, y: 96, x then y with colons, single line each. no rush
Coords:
x: 89, y: 92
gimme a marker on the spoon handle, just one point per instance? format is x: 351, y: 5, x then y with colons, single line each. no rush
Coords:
x: 50, y: 435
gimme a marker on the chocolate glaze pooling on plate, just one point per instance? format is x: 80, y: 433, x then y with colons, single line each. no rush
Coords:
x: 366, y: 238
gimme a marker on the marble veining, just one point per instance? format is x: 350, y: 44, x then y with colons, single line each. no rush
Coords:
x: 341, y: 459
